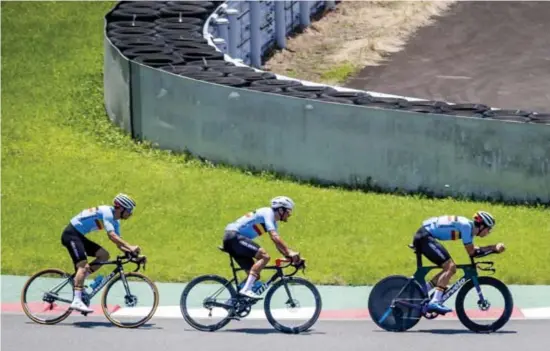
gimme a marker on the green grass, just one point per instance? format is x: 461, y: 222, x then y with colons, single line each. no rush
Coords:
x: 60, y: 154
x: 339, y: 74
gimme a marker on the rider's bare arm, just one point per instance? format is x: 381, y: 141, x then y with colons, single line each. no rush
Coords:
x: 279, y: 243
x: 120, y: 243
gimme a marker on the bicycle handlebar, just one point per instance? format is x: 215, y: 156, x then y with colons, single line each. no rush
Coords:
x: 489, y: 264
x: 301, y: 265
x: 136, y: 259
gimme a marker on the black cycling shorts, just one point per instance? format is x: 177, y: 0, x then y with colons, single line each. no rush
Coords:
x: 241, y: 248
x: 426, y: 244
x: 78, y: 245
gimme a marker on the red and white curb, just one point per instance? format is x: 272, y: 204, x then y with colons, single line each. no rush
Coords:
x: 302, y: 313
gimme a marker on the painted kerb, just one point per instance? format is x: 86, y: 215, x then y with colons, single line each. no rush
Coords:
x: 329, y: 142
x: 342, y: 143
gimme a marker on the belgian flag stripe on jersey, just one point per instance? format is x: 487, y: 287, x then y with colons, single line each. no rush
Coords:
x: 99, y: 224
x: 259, y: 229
x: 455, y: 235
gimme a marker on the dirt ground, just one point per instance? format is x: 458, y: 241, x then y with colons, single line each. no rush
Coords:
x: 356, y: 34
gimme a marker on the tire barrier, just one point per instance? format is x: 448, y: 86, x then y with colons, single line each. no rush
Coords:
x: 185, y: 39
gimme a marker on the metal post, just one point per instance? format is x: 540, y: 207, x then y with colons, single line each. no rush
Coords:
x: 304, y: 13
x: 233, y: 32
x: 280, y: 24
x: 255, y: 34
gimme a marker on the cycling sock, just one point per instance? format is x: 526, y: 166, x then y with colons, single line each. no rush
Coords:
x: 249, y: 282
x: 437, y: 295
x: 78, y: 294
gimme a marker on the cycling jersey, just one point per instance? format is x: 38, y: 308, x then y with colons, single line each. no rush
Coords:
x: 96, y: 218
x: 450, y: 228
x: 254, y: 223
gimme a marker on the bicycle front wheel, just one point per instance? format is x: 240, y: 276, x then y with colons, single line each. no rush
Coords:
x: 120, y: 302
x: 47, y: 295
x: 486, y: 310
x: 299, y: 300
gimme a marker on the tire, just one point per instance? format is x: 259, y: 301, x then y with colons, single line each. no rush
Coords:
x: 24, y: 297
x: 499, y: 323
x: 384, y: 292
x: 185, y: 311
x: 144, y: 319
x: 292, y: 330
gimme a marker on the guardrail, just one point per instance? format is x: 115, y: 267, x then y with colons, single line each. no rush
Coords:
x: 184, y: 95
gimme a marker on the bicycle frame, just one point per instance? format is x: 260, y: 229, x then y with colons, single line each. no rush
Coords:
x: 88, y: 296
x: 470, y: 273
x: 277, y: 275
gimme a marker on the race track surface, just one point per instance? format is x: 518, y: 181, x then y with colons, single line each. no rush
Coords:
x: 495, y: 53
x: 95, y: 333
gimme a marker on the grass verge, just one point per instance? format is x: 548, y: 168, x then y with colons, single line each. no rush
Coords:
x: 60, y: 154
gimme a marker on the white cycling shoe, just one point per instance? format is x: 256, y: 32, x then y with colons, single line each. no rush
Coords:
x: 80, y: 306
x: 249, y: 293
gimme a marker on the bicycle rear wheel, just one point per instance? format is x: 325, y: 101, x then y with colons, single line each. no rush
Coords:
x: 50, y: 304
x: 301, y: 299
x: 120, y: 301
x: 391, y: 303
x: 204, y: 302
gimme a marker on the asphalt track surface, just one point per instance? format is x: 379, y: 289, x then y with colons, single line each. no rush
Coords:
x: 93, y: 333
x: 489, y: 52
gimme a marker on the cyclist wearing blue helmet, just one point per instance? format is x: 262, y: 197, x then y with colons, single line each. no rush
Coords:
x: 239, y: 235
x: 74, y: 238
x: 451, y: 228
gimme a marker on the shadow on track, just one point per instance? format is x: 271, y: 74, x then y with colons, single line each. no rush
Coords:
x: 91, y: 324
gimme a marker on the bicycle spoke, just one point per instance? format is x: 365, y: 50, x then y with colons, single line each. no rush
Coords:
x: 130, y: 300
x: 292, y: 305
x: 47, y: 296
x: 208, y: 302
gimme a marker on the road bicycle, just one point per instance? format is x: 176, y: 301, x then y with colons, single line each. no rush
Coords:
x: 233, y: 306
x: 397, y: 303
x: 52, y: 281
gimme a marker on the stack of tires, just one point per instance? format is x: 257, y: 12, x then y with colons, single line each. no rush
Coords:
x: 168, y: 35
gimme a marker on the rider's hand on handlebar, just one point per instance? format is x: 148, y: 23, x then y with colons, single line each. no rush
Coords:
x: 294, y: 256
x: 499, y: 248
x: 135, y: 250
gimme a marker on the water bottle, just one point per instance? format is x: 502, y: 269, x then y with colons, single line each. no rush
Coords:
x: 96, y: 282
x: 258, y: 287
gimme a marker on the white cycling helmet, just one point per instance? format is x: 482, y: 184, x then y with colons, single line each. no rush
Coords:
x: 124, y: 201
x: 282, y: 201
x: 485, y: 218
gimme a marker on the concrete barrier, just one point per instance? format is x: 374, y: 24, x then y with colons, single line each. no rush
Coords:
x: 335, y: 143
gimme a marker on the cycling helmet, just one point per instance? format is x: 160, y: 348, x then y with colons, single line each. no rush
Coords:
x: 124, y: 201
x: 485, y: 218
x: 282, y: 201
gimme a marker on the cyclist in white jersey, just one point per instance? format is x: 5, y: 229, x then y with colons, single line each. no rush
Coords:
x: 79, y: 246
x: 239, y: 235
x: 451, y: 228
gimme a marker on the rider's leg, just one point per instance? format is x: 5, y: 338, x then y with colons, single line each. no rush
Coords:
x: 262, y: 258
x: 449, y: 269
x: 436, y: 253
x: 74, y: 245
x: 100, y: 255
x: 432, y: 283
x: 81, y: 268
